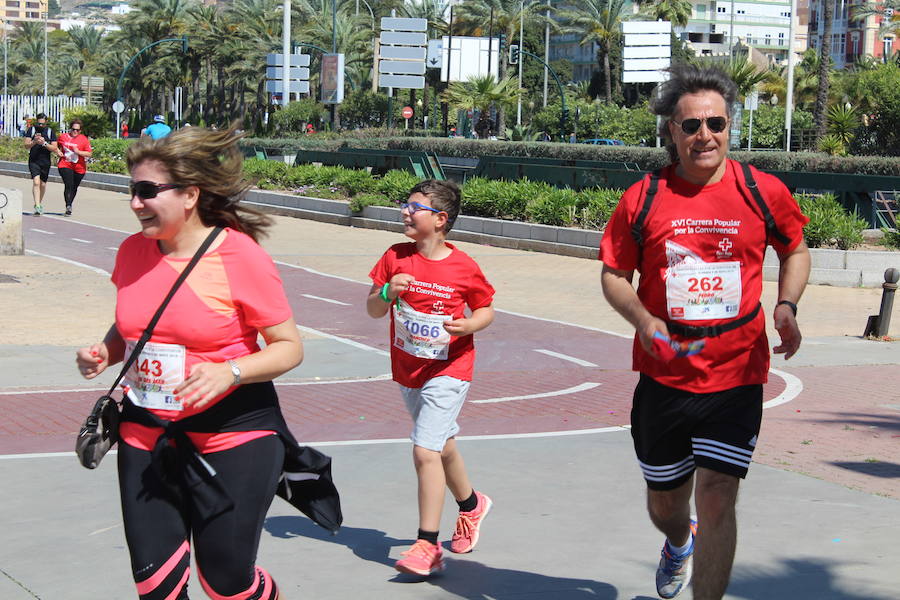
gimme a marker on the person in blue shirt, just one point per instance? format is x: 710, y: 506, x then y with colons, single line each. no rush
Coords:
x: 157, y: 129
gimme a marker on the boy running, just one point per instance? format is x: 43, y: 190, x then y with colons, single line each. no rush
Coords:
x: 426, y: 284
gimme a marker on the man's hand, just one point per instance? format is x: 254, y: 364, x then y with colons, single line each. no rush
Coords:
x: 788, y: 330
x: 646, y: 329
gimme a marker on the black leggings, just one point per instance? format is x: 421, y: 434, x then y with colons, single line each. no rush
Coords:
x: 159, y: 524
x: 72, y: 180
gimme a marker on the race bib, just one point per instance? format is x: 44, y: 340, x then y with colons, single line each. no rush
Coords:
x: 698, y: 290
x: 153, y: 377
x: 420, y: 334
x: 71, y: 156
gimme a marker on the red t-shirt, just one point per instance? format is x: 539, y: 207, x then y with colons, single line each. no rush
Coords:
x: 441, y: 287
x: 67, y: 142
x: 215, y: 316
x: 702, y: 255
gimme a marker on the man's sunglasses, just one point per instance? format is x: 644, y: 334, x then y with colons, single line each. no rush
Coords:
x: 148, y: 189
x: 692, y: 126
x: 412, y: 207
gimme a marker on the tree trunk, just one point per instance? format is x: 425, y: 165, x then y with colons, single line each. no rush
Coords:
x: 819, y: 115
x: 608, y: 76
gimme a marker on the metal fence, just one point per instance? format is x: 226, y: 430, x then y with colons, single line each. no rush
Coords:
x: 14, y: 109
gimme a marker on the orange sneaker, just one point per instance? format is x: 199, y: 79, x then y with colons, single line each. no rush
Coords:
x: 423, y: 559
x: 468, y: 524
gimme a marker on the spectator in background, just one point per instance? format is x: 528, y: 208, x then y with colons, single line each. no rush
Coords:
x: 125, y: 130
x: 158, y: 129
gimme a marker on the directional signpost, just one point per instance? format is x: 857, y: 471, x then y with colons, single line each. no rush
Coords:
x: 298, y: 75
x: 401, y: 53
x: 647, y: 51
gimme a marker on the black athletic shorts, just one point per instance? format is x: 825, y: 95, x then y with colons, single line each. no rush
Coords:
x: 675, y: 431
x: 39, y: 169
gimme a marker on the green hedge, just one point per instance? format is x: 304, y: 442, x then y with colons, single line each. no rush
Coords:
x: 829, y: 224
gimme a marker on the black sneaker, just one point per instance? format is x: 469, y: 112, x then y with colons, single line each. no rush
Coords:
x: 69, y: 210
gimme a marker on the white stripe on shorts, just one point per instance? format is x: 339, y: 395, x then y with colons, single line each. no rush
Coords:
x: 667, y: 472
x: 722, y: 452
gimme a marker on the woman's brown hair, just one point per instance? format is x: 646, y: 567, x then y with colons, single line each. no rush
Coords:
x: 211, y: 160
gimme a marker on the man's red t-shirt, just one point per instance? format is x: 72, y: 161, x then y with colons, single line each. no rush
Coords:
x: 441, y: 287
x: 701, y: 264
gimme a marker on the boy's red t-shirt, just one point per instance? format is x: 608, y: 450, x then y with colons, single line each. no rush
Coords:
x: 703, y: 224
x: 67, y: 142
x: 441, y: 287
x: 233, y: 291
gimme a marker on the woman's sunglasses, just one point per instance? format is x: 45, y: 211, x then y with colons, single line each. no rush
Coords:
x: 692, y: 126
x: 412, y: 207
x: 148, y: 189
x: 76, y: 129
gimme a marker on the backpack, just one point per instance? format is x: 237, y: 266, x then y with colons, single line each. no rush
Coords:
x: 750, y: 190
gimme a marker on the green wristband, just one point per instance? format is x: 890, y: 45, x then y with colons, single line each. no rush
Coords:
x: 384, y: 293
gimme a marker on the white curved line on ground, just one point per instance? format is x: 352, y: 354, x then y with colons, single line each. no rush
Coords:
x: 329, y: 300
x: 588, y: 385
x: 342, y: 340
x: 71, y: 262
x: 577, y: 361
x: 508, y: 436
x: 588, y: 327
x: 793, y: 387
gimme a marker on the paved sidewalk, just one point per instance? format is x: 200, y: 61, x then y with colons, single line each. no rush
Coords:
x: 569, y: 521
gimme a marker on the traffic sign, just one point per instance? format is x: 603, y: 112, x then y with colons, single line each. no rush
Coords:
x: 118, y: 107
x: 434, y: 57
x: 297, y: 60
x: 402, y: 53
x: 295, y: 73
x: 296, y: 87
x: 647, y: 51
x: 407, y: 112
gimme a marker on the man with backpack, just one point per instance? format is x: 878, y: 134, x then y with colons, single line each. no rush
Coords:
x: 697, y: 232
x: 40, y: 141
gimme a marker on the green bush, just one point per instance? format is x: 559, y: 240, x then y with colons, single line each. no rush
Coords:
x: 555, y: 207
x: 95, y: 122
x: 829, y: 224
x: 359, y: 202
x: 108, y: 148
x: 595, y: 207
x: 294, y: 117
x: 394, y: 186
x: 891, y: 238
x: 268, y: 174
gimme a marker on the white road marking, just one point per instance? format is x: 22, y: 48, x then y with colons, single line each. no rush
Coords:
x: 342, y: 340
x: 589, y: 328
x: 42, y: 231
x: 71, y: 262
x: 326, y: 300
x: 793, y: 387
x: 577, y: 361
x: 572, y: 390
x: 81, y: 241
x: 314, y: 272
x: 112, y: 248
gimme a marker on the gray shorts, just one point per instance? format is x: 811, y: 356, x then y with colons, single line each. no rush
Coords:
x: 434, y: 408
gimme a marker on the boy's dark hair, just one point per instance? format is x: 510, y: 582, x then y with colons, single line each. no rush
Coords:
x: 444, y: 195
x: 40, y: 116
x: 688, y: 79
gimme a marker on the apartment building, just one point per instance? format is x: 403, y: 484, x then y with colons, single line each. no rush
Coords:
x: 24, y: 10
x: 851, y: 36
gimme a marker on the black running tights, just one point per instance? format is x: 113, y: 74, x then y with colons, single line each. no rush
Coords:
x: 71, y: 180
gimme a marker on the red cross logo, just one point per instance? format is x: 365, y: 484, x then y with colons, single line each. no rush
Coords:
x: 438, y: 307
x: 726, y: 245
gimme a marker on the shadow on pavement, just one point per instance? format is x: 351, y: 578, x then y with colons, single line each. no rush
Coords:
x: 469, y: 579
x: 886, y: 470
x: 862, y: 420
x: 795, y: 579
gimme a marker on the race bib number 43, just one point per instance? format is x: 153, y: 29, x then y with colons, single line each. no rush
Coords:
x: 698, y: 291
x: 420, y: 334
x: 155, y: 374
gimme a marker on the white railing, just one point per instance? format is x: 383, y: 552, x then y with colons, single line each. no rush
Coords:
x: 15, y: 108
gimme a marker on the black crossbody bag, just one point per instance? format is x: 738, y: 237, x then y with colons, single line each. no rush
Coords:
x: 100, y: 431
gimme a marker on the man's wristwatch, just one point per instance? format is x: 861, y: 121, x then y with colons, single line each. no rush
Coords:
x: 789, y: 304
x: 236, y: 371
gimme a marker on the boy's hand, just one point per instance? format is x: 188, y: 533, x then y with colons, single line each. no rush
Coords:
x: 399, y: 283
x: 459, y: 327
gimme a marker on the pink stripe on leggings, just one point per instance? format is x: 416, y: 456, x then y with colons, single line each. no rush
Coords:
x: 268, y: 593
x: 151, y: 583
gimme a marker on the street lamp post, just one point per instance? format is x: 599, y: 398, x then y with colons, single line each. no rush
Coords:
x: 46, y: 108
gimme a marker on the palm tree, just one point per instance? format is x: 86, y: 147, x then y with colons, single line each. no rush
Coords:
x: 678, y: 12
x: 820, y: 122
x: 888, y: 10
x: 600, y: 22
x: 480, y: 92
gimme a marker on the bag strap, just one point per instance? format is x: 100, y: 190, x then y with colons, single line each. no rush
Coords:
x: 149, y: 330
x: 637, y: 228
x: 750, y: 184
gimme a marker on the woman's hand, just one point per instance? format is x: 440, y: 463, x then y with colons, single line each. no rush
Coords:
x: 206, y: 382
x: 92, y: 360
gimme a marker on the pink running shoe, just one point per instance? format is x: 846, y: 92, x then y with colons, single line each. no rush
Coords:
x: 468, y: 524
x: 423, y: 559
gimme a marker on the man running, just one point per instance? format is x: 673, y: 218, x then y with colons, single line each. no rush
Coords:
x: 697, y: 232
x: 40, y: 141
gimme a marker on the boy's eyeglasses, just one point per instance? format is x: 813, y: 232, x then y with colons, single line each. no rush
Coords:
x: 412, y: 207
x: 692, y: 126
x: 148, y: 189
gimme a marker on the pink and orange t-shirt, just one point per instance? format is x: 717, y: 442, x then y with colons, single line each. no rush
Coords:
x: 701, y: 264
x: 441, y: 290
x: 233, y: 291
